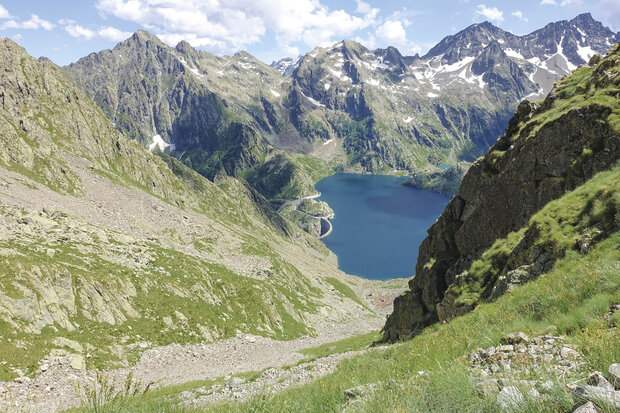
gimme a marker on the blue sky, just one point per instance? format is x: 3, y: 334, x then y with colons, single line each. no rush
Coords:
x: 270, y: 29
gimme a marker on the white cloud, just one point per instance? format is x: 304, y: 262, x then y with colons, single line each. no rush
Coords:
x: 113, y: 34
x: 393, y: 33
x: 77, y: 31
x: 363, y: 7
x: 552, y: 2
x: 35, y: 22
x: 106, y: 33
x: 232, y: 25
x: 491, y: 13
x: 4, y: 14
x: 519, y: 15
x: 370, y: 41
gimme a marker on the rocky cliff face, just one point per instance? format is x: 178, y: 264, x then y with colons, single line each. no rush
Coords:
x: 547, y: 151
x: 213, y: 113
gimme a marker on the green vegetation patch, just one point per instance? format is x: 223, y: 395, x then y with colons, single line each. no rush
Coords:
x: 344, y: 290
x: 358, y: 342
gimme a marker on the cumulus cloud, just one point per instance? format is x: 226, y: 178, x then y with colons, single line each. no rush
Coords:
x: 235, y: 24
x: 4, y: 14
x: 363, y: 7
x: 106, y: 33
x: 393, y: 33
x: 519, y: 15
x: 552, y: 2
x: 35, y: 22
x: 491, y: 13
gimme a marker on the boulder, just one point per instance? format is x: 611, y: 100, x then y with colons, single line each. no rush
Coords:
x: 77, y: 362
x: 510, y: 398
x: 598, y: 394
x: 586, y: 408
x: 614, y: 374
x: 515, y: 338
x: 234, y: 382
x: 598, y: 380
x: 488, y: 388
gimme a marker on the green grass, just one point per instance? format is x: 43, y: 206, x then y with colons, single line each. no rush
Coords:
x: 210, y: 296
x: 579, y: 285
x: 341, y: 346
x: 554, y: 230
x: 344, y: 290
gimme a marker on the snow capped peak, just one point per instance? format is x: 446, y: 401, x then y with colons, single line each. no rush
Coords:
x: 287, y: 65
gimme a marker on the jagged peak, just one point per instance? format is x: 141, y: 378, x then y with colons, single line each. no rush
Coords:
x: 186, y: 49
x: 242, y: 54
x: 584, y: 18
x: 141, y: 37
x: 183, y: 46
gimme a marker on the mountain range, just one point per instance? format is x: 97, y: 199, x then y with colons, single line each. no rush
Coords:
x: 343, y: 107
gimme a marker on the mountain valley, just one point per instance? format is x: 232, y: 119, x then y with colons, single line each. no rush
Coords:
x: 160, y: 228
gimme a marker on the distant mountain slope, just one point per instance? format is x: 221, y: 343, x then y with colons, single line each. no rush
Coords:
x: 108, y: 250
x: 482, y: 245
x: 349, y: 107
x: 449, y: 105
x: 287, y: 65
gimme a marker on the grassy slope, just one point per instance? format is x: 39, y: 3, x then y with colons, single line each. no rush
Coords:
x: 571, y: 300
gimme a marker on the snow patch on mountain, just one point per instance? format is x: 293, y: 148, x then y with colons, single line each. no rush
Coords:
x: 513, y: 53
x: 340, y: 75
x: 585, y: 52
x: 311, y: 100
x: 191, y: 69
x: 158, y: 142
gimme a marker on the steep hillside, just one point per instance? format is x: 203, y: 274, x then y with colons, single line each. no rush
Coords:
x: 213, y: 113
x: 482, y: 244
x: 535, y: 349
x: 108, y: 250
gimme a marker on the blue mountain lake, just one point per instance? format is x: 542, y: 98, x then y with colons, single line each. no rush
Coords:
x: 379, y: 223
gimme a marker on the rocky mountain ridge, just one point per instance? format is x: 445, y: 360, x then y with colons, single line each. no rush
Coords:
x: 343, y: 107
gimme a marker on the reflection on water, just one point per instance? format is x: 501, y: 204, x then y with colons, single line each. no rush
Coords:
x: 379, y: 224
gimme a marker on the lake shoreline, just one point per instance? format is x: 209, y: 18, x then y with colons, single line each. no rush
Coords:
x: 379, y: 223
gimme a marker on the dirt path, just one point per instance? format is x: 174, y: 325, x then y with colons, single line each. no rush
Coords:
x: 294, y: 202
